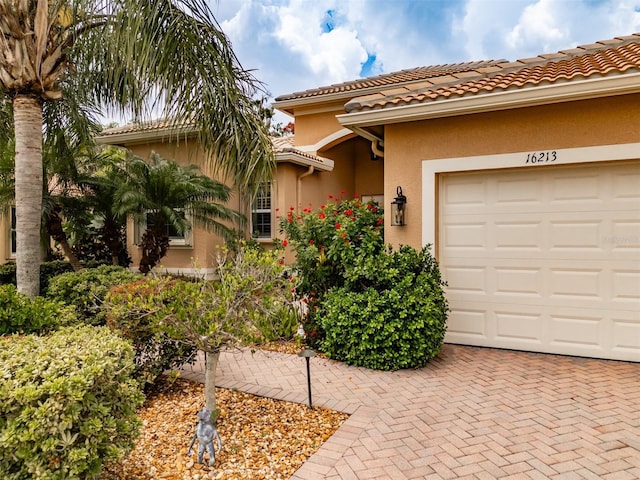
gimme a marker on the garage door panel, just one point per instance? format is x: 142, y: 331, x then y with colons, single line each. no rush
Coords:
x: 626, y: 337
x: 468, y: 325
x: 549, y: 261
x: 586, y: 332
x: 625, y: 286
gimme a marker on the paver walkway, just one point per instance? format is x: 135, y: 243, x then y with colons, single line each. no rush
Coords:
x: 473, y: 413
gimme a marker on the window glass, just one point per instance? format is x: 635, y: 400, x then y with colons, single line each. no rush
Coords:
x: 261, y: 224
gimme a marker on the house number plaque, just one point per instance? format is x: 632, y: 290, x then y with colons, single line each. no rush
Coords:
x: 537, y: 158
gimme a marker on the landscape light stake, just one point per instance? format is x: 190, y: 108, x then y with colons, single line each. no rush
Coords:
x: 307, y: 353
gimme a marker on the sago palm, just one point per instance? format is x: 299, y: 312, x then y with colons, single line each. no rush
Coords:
x: 168, y: 196
x: 147, y: 58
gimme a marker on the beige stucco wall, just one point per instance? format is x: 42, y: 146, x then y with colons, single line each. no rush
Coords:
x: 317, y: 122
x: 602, y: 121
x: 5, y: 242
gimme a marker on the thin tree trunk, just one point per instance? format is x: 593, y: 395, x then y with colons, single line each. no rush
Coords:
x: 27, y: 118
x: 56, y: 231
x: 210, y: 380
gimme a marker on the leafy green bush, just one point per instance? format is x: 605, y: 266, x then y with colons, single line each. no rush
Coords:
x: 131, y: 310
x: 87, y: 289
x: 68, y: 403
x: 390, y: 314
x: 48, y: 270
x: 21, y: 314
x: 8, y: 274
x: 283, y: 325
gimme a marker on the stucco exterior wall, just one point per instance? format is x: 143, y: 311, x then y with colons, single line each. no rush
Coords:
x: 314, y: 124
x: 5, y: 241
x: 601, y: 121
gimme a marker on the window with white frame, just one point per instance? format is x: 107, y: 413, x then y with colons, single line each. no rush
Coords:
x: 261, y: 212
x: 175, y: 239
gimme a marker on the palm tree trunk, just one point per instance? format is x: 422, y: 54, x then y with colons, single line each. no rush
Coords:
x: 210, y: 380
x: 27, y: 118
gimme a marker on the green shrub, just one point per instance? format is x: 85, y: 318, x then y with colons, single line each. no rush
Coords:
x: 283, y: 325
x: 86, y: 289
x: 8, y: 274
x: 68, y: 403
x: 130, y: 311
x: 390, y: 314
x: 21, y: 314
x: 48, y: 270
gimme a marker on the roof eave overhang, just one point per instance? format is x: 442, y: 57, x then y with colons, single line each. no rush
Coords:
x: 288, y: 106
x: 322, y: 164
x: 523, y: 97
x: 146, y: 136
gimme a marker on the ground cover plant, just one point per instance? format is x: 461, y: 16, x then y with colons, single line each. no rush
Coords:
x: 369, y: 305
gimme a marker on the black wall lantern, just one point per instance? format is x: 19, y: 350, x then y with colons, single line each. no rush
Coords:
x: 398, y: 208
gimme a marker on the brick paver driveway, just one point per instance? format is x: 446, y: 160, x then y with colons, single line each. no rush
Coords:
x: 473, y: 413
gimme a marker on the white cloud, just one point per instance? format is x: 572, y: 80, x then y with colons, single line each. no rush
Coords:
x: 540, y: 25
x: 332, y: 55
x: 515, y: 29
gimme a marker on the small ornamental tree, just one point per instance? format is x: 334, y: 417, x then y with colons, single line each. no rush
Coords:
x: 326, y: 243
x: 252, y: 285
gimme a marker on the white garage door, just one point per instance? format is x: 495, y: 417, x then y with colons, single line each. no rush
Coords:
x: 544, y: 259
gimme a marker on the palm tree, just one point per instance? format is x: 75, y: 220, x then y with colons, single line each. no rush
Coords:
x: 63, y: 152
x: 172, y: 197
x: 94, y: 211
x: 167, y: 57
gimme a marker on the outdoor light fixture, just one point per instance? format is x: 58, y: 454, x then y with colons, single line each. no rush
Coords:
x: 307, y: 353
x: 398, y: 208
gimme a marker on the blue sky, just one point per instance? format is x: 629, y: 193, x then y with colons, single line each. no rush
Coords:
x: 295, y: 45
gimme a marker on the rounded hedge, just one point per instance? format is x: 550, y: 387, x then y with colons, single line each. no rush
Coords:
x: 87, y: 288
x: 68, y: 403
x: 390, y: 315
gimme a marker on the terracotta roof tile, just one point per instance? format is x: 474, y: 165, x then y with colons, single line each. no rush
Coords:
x: 599, y: 59
x: 159, y: 124
x: 394, y: 78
